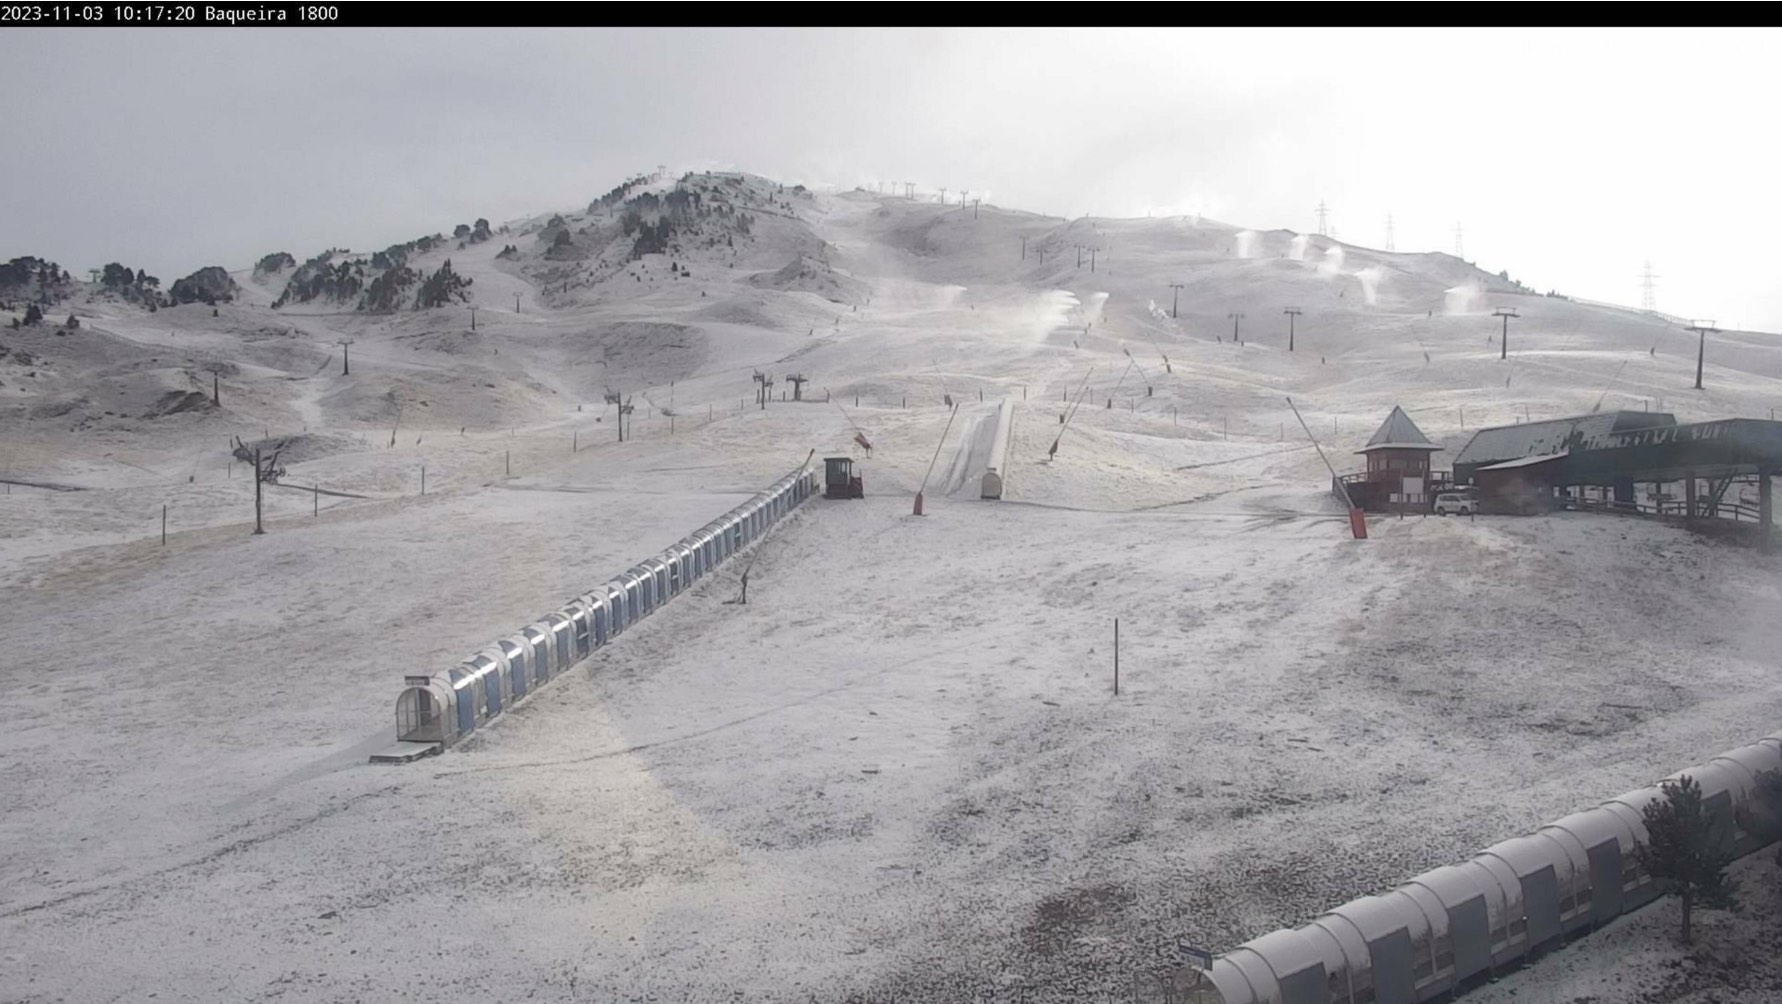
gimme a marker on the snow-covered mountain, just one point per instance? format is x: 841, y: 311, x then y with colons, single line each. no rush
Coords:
x: 898, y: 773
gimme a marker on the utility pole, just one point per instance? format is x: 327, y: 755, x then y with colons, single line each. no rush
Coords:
x: 346, y: 356
x: 614, y: 397
x: 215, y: 366
x: 1235, y: 318
x: 943, y: 196
x: 797, y: 380
x: 1459, y: 244
x: 1292, y: 314
x: 1506, y: 313
x: 1390, y: 245
x: 975, y: 203
x: 259, y: 475
x: 516, y: 303
x: 1091, y: 259
x: 1023, y: 249
x: 1701, y: 330
x: 1079, y: 248
x: 1175, y: 298
x: 473, y: 318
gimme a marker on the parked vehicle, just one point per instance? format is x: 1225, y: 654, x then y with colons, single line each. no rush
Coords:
x: 1455, y: 504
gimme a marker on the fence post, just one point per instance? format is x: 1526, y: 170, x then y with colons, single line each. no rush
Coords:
x: 163, y: 524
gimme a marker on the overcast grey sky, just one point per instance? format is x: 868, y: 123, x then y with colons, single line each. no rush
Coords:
x: 1568, y: 156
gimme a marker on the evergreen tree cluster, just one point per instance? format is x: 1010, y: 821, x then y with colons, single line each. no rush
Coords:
x: 277, y: 261
x: 617, y: 195
x: 131, y: 284
x: 472, y: 234
x: 442, y: 287
x: 656, y: 222
x: 386, y: 282
x: 322, y: 277
x: 389, y: 289
x: 207, y: 285
x: 32, y: 278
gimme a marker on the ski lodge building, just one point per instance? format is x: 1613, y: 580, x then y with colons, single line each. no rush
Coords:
x: 1711, y: 476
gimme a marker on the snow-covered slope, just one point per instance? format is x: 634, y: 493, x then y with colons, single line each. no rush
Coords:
x: 898, y: 773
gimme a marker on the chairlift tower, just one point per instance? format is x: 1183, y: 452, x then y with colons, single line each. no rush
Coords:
x: 1701, y: 329
x: 1504, y: 343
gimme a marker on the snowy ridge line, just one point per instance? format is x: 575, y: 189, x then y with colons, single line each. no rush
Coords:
x: 1449, y: 930
x: 446, y: 707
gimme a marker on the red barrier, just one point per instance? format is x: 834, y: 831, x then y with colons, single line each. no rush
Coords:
x: 1358, y: 523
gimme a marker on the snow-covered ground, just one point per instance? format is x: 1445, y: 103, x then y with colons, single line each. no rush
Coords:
x: 899, y: 772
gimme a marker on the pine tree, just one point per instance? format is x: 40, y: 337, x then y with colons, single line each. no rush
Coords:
x: 1688, y: 847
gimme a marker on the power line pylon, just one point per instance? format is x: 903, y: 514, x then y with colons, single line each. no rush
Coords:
x: 1323, y: 219
x: 1648, y: 287
x: 1391, y: 245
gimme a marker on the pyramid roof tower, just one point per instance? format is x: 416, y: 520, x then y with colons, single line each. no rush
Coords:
x: 1398, y: 432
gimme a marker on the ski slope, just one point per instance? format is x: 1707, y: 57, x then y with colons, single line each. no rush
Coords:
x: 898, y: 773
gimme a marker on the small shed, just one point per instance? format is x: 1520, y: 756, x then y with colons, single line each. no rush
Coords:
x: 1520, y: 487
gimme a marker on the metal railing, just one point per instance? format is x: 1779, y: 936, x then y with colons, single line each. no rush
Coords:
x: 1736, y: 512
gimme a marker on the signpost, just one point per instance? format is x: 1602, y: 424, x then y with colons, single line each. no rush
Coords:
x: 1199, y: 958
